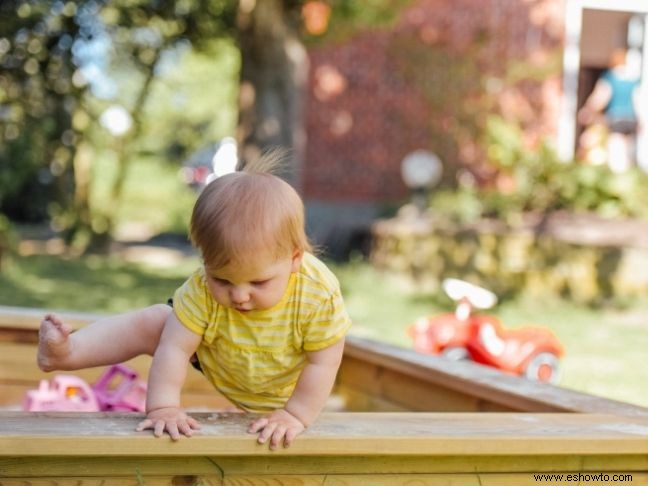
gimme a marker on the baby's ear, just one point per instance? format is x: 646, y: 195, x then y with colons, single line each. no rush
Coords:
x: 296, y: 260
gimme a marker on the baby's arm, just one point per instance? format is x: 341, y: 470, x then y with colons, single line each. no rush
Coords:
x: 166, y: 377
x: 313, y: 388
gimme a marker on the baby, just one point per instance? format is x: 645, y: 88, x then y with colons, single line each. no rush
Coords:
x: 262, y: 318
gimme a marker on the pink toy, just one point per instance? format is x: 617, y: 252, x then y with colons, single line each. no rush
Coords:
x: 126, y: 395
x: 65, y: 393
x: 117, y: 390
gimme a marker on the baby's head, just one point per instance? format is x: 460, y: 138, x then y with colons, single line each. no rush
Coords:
x: 249, y: 219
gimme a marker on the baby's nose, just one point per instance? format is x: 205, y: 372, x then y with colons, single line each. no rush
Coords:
x: 239, y: 295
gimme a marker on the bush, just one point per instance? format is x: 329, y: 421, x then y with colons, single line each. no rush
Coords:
x: 537, y: 181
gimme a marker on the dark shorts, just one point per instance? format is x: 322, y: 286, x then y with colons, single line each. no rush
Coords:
x: 194, y: 359
x: 623, y: 126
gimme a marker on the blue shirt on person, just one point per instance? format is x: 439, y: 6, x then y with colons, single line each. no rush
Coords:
x: 620, y: 106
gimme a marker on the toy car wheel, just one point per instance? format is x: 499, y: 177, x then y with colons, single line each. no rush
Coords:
x: 455, y: 353
x: 543, y: 367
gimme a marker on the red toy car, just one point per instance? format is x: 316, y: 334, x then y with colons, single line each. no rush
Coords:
x: 532, y: 352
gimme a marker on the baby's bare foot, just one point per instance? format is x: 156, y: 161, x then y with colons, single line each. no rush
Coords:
x: 53, y: 343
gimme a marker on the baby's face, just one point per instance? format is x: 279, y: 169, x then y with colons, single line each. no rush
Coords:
x: 254, y: 285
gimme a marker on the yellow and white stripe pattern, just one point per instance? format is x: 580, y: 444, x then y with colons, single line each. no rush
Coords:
x: 255, y: 358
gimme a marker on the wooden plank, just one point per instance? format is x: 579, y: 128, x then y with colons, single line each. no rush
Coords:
x: 28, y: 319
x: 487, y: 385
x: 336, y: 480
x: 282, y: 480
x: 358, y: 401
x: 420, y: 464
x: 340, y: 449
x: 370, y: 386
x: 76, y: 434
x: 133, y: 480
x: 12, y: 395
x: 521, y: 479
x: 273, y: 465
x: 106, y: 466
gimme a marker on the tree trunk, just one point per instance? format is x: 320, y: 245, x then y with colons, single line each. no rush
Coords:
x: 125, y: 148
x: 274, y: 72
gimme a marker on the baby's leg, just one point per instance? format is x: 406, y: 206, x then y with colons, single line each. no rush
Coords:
x: 110, y: 340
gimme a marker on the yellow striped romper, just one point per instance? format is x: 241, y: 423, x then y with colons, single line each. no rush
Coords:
x: 255, y: 359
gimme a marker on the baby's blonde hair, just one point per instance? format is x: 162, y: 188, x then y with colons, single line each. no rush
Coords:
x: 243, y: 214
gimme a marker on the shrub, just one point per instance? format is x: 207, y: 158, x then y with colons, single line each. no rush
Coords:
x: 537, y: 181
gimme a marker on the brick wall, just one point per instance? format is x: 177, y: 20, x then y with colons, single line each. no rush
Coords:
x: 373, y: 99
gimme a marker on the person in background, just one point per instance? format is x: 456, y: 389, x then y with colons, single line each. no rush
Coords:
x: 616, y: 96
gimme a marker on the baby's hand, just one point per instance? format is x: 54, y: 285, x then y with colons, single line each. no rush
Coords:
x: 277, y: 426
x: 171, y: 419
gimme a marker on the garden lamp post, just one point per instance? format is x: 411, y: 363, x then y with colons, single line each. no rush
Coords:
x: 421, y: 171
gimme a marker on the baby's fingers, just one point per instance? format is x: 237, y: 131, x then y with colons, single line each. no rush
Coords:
x: 267, y: 432
x: 258, y: 425
x: 144, y: 424
x: 185, y: 428
x: 193, y: 423
x: 158, y: 428
x: 277, y: 436
x: 172, y: 429
x: 291, y: 433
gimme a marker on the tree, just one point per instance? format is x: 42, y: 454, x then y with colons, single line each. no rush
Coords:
x: 50, y: 116
x: 140, y: 34
x: 38, y: 100
x: 274, y: 72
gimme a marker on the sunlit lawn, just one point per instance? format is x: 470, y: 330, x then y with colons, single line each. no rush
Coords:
x: 93, y: 283
x: 153, y: 195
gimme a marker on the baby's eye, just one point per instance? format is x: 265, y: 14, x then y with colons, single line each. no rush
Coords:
x: 260, y: 283
x: 220, y: 281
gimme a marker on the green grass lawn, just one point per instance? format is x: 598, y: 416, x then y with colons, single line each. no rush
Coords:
x: 605, y: 349
x: 93, y: 283
x: 153, y: 195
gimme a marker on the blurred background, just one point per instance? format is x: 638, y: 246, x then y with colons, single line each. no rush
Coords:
x: 428, y: 138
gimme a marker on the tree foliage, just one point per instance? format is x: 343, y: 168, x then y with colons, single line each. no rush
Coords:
x: 63, y: 63
x: 50, y: 107
x: 38, y: 98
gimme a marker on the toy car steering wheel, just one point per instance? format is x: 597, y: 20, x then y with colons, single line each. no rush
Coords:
x: 478, y: 297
